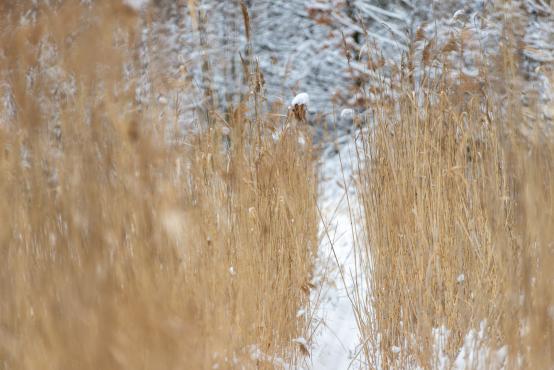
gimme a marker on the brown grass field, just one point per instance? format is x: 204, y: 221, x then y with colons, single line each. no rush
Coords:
x: 127, y: 243
x: 456, y: 185
x: 121, y: 249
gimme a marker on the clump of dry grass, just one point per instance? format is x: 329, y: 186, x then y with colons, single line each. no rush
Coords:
x: 121, y: 249
x: 458, y: 217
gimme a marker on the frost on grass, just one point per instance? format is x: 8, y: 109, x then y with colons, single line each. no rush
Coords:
x: 300, y: 45
x: 257, y: 355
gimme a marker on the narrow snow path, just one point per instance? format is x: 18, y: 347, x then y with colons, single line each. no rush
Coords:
x: 335, y: 334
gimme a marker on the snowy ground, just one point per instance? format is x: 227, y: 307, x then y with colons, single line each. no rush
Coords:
x: 335, y: 338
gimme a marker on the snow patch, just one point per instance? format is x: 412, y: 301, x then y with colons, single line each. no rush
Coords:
x: 225, y: 131
x: 256, y: 354
x: 347, y: 113
x: 440, y: 339
x: 474, y: 354
x: 335, y: 335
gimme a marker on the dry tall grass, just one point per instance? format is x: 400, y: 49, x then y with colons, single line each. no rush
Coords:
x: 458, y: 198
x: 120, y: 248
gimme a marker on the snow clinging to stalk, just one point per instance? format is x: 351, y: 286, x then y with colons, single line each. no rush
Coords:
x: 136, y: 5
x: 301, y: 99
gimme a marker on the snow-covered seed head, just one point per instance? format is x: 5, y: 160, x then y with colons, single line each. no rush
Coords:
x: 299, y: 106
x: 162, y: 100
x: 301, y: 99
x: 136, y: 5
